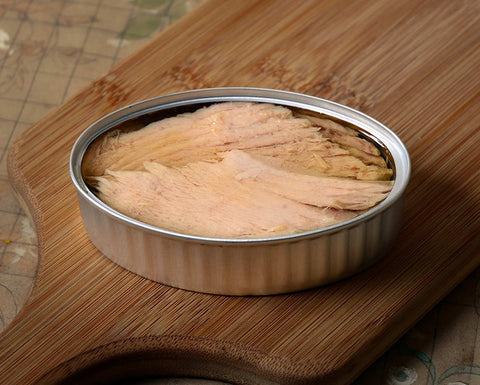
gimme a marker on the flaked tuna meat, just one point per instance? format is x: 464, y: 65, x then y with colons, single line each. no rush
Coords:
x: 304, y: 144
x: 238, y: 170
x: 236, y: 197
x: 332, y: 192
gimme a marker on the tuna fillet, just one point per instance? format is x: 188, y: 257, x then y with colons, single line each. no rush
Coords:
x: 237, y: 197
x: 303, y: 144
x: 238, y: 170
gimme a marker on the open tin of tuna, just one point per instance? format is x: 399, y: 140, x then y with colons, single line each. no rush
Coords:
x: 243, y: 266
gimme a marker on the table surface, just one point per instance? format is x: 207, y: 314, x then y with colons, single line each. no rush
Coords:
x: 49, y: 50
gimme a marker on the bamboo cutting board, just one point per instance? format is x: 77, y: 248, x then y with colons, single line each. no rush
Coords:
x: 412, y: 65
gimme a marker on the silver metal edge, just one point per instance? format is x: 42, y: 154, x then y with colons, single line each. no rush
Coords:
x: 214, y: 95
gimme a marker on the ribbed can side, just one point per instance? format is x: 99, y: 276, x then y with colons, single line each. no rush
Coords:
x: 256, y: 269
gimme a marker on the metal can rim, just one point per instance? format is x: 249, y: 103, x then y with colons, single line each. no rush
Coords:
x: 379, y: 131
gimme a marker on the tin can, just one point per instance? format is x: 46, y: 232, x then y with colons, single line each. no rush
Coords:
x: 259, y: 266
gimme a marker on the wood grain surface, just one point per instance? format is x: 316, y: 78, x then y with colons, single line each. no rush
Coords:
x: 411, y: 65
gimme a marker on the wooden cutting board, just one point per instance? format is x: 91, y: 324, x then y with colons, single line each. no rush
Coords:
x: 413, y: 65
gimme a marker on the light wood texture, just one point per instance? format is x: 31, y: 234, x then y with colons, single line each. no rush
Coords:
x: 412, y: 65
